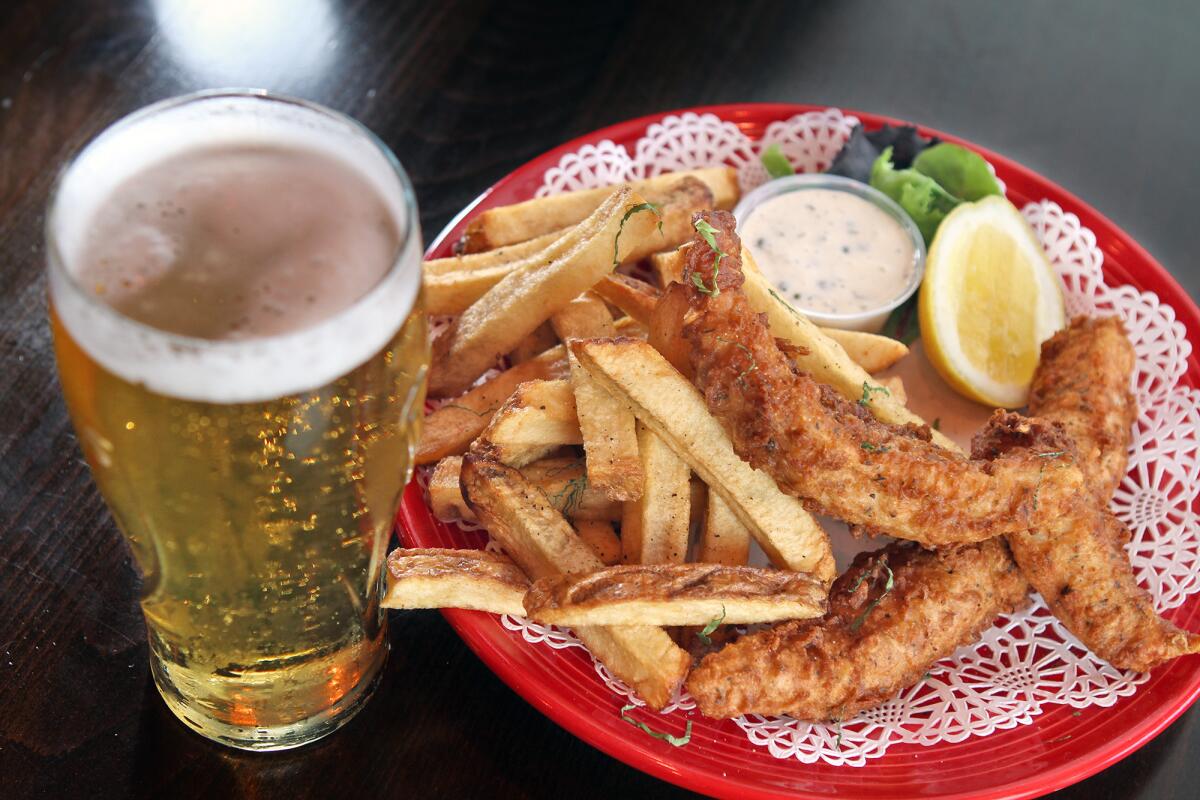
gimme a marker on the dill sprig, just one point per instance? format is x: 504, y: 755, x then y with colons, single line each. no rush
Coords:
x: 621, y: 229
x: 674, y: 741
x: 888, y: 585
x: 711, y: 626
x: 868, y: 390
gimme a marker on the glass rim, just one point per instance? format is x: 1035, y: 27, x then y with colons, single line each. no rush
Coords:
x: 57, y: 267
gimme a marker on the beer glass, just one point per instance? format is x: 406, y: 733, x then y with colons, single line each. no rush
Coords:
x: 255, y: 475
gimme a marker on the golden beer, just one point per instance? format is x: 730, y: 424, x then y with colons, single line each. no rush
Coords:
x: 253, y: 457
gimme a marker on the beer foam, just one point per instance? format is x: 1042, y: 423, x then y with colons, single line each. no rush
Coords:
x: 227, y: 371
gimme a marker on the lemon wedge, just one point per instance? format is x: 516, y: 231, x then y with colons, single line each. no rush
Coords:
x: 988, y: 301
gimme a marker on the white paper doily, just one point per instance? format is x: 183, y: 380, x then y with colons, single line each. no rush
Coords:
x: 1025, y: 661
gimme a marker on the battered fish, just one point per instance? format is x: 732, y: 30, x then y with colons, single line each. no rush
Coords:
x: 1076, y: 561
x: 1082, y: 382
x: 832, y: 453
x: 892, y: 614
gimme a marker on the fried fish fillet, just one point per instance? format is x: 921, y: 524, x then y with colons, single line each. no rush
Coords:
x: 1077, y: 562
x: 1082, y: 382
x: 831, y: 453
x: 891, y: 615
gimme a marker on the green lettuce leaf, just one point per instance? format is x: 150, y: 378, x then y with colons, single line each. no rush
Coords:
x: 959, y: 171
x: 919, y: 195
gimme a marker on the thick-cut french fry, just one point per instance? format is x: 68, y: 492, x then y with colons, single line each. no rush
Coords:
x: 668, y: 265
x: 490, y: 258
x: 537, y: 419
x: 675, y: 410
x: 516, y: 223
x: 530, y: 295
x: 562, y: 480
x: 598, y: 535
x: 449, y: 430
x: 540, y: 340
x: 537, y: 537
x: 895, y: 387
x: 565, y: 483
x: 723, y: 537
x: 872, y: 352
x: 474, y: 579
x: 445, y: 496
x: 675, y: 594
x: 607, y: 426
x: 657, y: 528
x: 636, y: 298
x: 453, y: 292
x: 823, y: 358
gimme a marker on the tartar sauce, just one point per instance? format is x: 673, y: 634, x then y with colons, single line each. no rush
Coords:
x: 829, y: 251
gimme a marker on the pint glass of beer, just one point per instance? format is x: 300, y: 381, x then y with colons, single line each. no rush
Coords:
x: 235, y: 299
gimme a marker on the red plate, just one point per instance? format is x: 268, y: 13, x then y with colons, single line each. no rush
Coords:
x: 1058, y: 749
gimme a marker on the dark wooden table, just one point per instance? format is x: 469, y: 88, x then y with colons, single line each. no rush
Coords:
x: 1103, y: 97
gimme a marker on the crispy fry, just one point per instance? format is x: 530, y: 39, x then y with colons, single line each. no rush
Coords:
x: 585, y: 317
x: 450, y: 429
x: 565, y: 483
x: 453, y: 292
x: 598, y: 535
x: 636, y: 298
x: 517, y: 223
x: 723, y: 538
x: 654, y: 528
x: 666, y: 329
x: 674, y: 409
x: 541, y: 339
x: 434, y: 578
x: 537, y: 537
x: 668, y: 265
x: 537, y: 419
x: 675, y: 594
x: 528, y: 296
x: 871, y: 351
x: 490, y: 258
x: 445, y: 496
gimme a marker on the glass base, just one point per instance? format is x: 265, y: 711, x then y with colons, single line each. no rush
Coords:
x: 278, y: 737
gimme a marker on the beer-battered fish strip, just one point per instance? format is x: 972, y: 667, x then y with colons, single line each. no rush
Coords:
x: 832, y: 453
x: 891, y: 615
x: 1078, y: 563
x: 1082, y: 382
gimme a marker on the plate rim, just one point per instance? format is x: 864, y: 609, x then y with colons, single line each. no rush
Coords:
x: 478, y: 629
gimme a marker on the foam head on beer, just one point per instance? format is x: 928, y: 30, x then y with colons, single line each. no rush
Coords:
x: 257, y: 234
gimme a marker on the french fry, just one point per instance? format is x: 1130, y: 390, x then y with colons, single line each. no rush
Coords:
x: 673, y: 408
x: 490, y: 258
x: 665, y: 330
x: 530, y: 295
x: 505, y: 225
x: 723, y: 537
x: 445, y: 497
x: 451, y: 429
x: 540, y: 340
x: 823, y: 358
x: 562, y: 480
x: 895, y: 387
x: 474, y: 579
x: 607, y: 427
x: 537, y: 419
x: 871, y: 351
x: 599, y: 536
x: 585, y: 317
x: 675, y: 594
x: 537, y: 537
x: 636, y: 298
x: 565, y: 483
x: 655, y: 526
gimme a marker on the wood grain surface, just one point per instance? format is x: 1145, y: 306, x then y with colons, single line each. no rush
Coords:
x: 1102, y: 97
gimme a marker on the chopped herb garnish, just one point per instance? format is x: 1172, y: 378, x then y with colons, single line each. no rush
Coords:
x: 1053, y: 454
x: 629, y: 213
x: 570, y: 495
x: 937, y: 423
x: 837, y: 742
x: 874, y: 448
x: 776, y: 163
x: 868, y: 390
x: 753, y: 362
x: 483, y: 413
x: 674, y: 741
x: 785, y: 303
x: 711, y: 626
x: 709, y: 234
x: 888, y: 585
